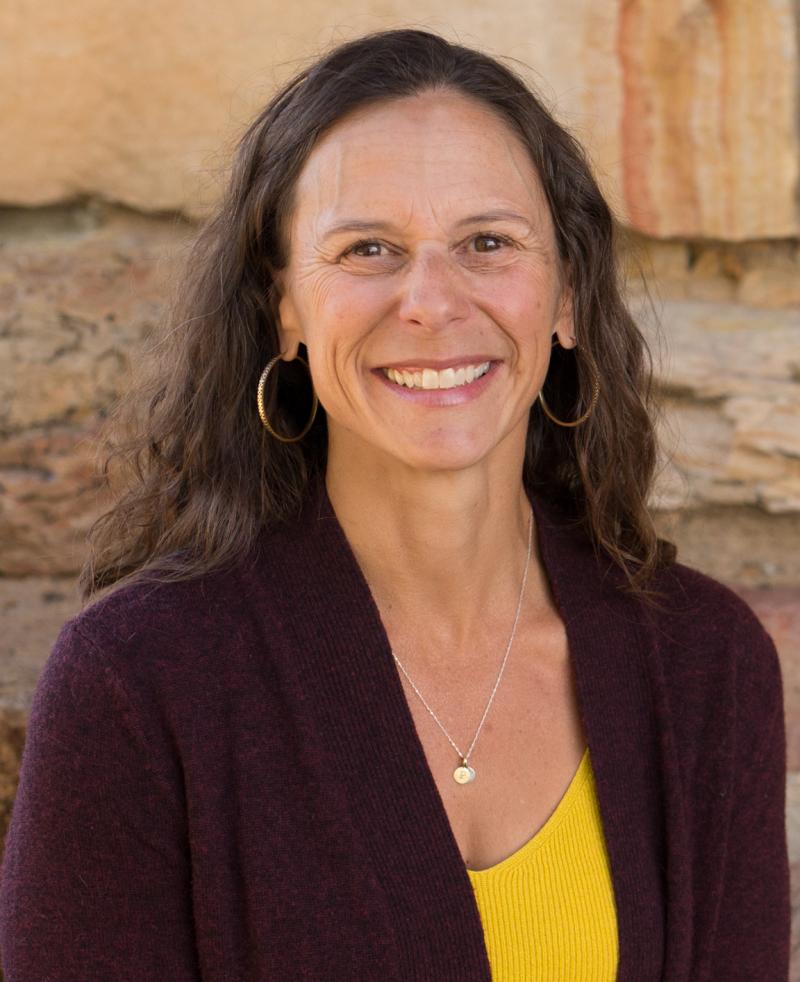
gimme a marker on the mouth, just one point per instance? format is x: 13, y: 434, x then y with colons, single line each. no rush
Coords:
x: 431, y: 378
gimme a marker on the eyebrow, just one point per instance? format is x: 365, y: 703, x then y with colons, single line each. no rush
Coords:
x: 359, y: 225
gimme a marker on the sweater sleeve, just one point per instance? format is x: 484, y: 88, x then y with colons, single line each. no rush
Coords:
x: 753, y: 927
x: 95, y: 882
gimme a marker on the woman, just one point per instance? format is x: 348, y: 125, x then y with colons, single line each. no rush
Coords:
x: 396, y: 680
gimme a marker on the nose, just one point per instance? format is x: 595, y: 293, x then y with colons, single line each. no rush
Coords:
x: 434, y: 291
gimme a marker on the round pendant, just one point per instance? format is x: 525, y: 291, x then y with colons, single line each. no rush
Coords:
x: 464, y: 774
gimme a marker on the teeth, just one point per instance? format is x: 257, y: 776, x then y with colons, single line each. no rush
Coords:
x: 429, y: 378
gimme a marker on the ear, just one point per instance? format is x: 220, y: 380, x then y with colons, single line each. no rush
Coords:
x: 564, y: 326
x: 290, y: 332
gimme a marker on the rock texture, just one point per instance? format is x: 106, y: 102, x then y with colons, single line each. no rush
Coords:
x: 763, y: 273
x: 730, y: 376
x: 700, y: 155
x: 740, y: 545
x: 689, y: 107
x: 78, y: 297
x: 31, y: 612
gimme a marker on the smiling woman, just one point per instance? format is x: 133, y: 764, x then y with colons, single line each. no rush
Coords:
x: 436, y: 294
x: 393, y: 678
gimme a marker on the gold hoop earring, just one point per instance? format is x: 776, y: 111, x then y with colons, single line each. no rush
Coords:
x: 580, y: 419
x: 260, y: 403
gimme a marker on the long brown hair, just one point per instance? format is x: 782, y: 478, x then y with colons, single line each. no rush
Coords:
x: 200, y: 474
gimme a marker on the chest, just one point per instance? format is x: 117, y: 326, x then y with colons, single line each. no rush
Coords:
x: 317, y: 823
x: 526, y: 753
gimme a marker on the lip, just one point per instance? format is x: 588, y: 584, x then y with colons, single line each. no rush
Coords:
x: 438, y: 364
x: 456, y: 396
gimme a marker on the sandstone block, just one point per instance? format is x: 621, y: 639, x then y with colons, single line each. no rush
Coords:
x: 741, y: 545
x: 79, y: 295
x: 50, y: 492
x: 689, y: 108
x: 73, y: 306
x: 771, y: 288
x: 762, y: 274
x: 731, y: 380
x: 700, y: 155
x: 31, y: 612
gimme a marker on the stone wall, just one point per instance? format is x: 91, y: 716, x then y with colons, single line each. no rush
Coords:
x: 117, y: 123
x: 689, y: 106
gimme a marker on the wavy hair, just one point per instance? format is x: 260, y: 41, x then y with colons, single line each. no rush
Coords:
x: 200, y: 475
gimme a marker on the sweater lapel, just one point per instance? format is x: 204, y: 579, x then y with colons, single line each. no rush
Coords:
x: 343, y: 663
x: 610, y: 644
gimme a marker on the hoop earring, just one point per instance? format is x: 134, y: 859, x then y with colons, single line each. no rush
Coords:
x: 580, y: 419
x: 262, y: 412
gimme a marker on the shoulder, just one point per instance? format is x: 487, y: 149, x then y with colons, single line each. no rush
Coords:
x: 706, y: 632
x: 155, y: 627
x: 694, y: 603
x: 157, y: 607
x: 252, y: 601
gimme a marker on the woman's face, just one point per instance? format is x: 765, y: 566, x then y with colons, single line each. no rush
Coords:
x: 423, y: 278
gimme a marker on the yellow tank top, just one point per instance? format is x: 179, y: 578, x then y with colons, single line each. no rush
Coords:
x: 548, y: 909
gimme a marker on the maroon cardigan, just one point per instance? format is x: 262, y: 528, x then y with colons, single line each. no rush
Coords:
x: 222, y: 781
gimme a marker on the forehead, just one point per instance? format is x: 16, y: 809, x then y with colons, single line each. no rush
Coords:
x: 437, y: 152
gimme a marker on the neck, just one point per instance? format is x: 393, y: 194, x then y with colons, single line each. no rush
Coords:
x: 443, y: 552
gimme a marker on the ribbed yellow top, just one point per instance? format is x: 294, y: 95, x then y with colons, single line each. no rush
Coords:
x: 548, y: 909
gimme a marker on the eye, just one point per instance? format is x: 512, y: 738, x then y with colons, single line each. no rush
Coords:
x: 490, y: 237
x: 371, y: 248
x: 363, y: 244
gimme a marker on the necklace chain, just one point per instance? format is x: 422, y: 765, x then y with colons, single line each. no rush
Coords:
x: 465, y: 757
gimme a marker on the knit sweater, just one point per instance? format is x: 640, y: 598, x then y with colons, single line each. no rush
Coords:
x: 222, y: 781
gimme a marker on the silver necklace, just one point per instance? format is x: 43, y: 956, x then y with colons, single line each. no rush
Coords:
x: 463, y: 774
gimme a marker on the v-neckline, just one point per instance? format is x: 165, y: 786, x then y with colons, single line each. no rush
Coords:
x: 413, y: 849
x: 545, y: 833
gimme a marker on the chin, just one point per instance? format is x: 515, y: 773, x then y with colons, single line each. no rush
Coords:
x: 420, y: 449
x: 436, y: 456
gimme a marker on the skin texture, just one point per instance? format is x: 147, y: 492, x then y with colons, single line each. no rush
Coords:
x: 428, y: 493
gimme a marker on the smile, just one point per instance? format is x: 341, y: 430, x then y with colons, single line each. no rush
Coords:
x: 429, y: 378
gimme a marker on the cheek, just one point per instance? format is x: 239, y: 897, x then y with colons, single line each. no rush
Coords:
x: 333, y: 344
x: 522, y: 296
x: 337, y: 325
x: 358, y: 300
x: 335, y: 299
